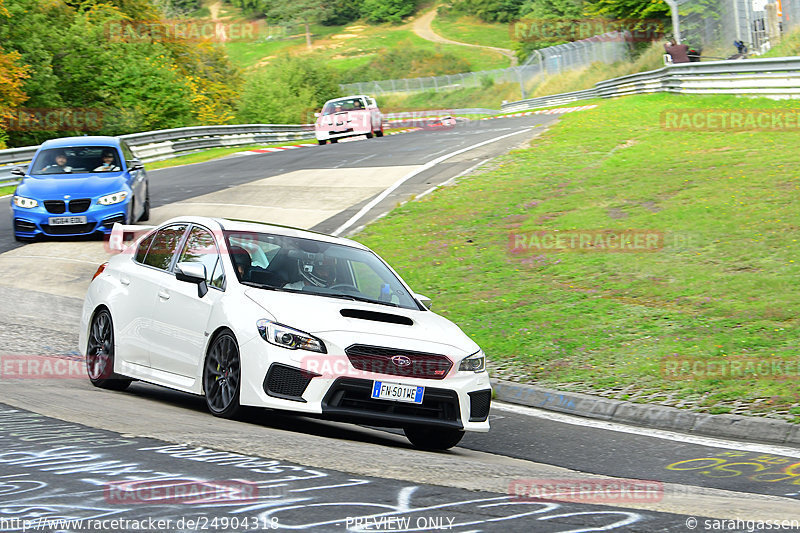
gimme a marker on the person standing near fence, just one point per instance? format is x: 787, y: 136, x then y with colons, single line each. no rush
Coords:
x: 678, y: 52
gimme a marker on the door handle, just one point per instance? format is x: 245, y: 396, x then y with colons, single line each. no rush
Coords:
x: 164, y: 295
x: 125, y: 281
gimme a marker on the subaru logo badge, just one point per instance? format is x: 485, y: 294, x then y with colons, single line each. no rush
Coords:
x: 401, y: 360
x: 66, y: 197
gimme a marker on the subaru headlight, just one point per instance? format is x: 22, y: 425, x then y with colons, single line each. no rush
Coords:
x: 287, y: 337
x: 25, y: 203
x: 111, y: 199
x: 474, y: 363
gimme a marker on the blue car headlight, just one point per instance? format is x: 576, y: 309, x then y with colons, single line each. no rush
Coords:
x: 111, y: 199
x: 25, y: 203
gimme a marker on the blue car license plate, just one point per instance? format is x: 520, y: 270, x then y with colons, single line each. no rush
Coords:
x: 383, y: 390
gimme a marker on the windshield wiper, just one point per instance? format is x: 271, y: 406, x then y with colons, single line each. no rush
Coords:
x: 268, y: 287
x: 351, y: 297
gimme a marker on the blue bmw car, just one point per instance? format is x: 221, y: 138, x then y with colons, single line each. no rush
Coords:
x: 79, y: 186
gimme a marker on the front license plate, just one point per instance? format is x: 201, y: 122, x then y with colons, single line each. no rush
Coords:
x: 66, y: 221
x: 382, y: 390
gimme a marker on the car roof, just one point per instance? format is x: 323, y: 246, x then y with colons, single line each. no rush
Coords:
x: 227, y: 224
x: 348, y: 97
x: 87, y: 140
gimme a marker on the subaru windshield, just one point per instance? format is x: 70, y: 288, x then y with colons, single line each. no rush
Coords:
x: 292, y: 264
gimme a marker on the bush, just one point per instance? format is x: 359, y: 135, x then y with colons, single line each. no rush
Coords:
x: 407, y: 62
x: 287, y: 91
x: 387, y: 10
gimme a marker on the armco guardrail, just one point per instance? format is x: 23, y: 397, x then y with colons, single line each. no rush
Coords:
x: 163, y: 144
x: 776, y: 77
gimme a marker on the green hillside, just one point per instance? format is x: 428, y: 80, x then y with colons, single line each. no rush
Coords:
x: 720, y: 289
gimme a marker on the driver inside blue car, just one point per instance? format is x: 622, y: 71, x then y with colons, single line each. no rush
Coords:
x: 107, y: 163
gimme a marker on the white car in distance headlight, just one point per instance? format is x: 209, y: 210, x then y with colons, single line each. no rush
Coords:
x: 251, y: 314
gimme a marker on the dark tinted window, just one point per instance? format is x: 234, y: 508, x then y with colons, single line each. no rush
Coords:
x: 201, y: 248
x: 164, y: 245
x: 71, y: 160
x: 141, y: 250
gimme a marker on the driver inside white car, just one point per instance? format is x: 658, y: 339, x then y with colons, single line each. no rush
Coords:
x: 320, y: 275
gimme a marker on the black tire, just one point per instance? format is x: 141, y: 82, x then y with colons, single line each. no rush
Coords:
x: 130, y: 217
x: 23, y: 239
x: 433, y: 438
x: 334, y: 141
x: 146, y: 213
x: 379, y: 133
x: 222, y: 376
x: 370, y: 135
x: 321, y: 143
x: 100, y: 354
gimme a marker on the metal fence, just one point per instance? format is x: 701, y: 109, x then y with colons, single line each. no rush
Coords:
x: 777, y: 77
x: 713, y: 25
x: 606, y: 48
x: 163, y: 144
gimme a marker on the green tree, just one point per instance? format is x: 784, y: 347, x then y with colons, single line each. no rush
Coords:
x: 12, y: 76
x: 487, y: 10
x: 628, y: 9
x: 387, y: 10
x: 305, y: 12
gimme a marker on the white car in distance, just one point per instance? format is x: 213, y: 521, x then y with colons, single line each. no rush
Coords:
x: 250, y: 314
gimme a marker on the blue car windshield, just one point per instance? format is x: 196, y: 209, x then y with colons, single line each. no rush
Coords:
x: 76, y: 160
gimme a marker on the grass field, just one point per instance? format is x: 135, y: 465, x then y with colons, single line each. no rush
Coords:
x: 468, y: 29
x: 345, y: 47
x: 720, y: 290
x: 368, y: 40
x: 788, y: 46
x: 7, y: 190
x: 490, y: 98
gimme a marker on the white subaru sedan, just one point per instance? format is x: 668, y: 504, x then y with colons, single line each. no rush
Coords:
x: 250, y: 314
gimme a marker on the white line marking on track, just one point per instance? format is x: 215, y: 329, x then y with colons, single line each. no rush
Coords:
x: 454, y: 178
x: 648, y: 432
x: 221, y: 204
x: 14, y: 256
x: 375, y: 201
x: 362, y: 159
x: 6, y: 196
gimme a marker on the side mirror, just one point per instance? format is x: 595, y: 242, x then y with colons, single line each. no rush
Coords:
x: 424, y: 300
x: 18, y: 172
x: 134, y: 164
x: 193, y: 273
